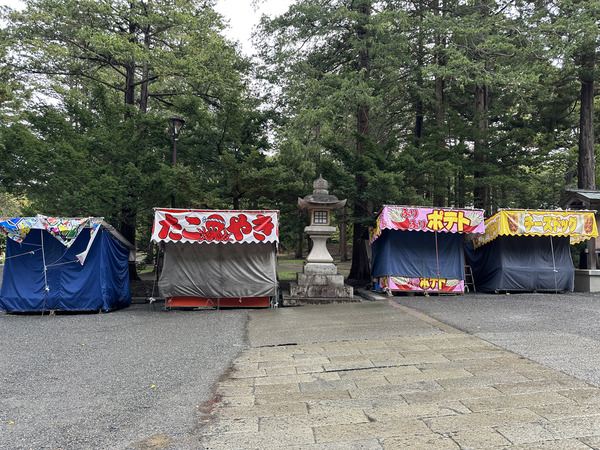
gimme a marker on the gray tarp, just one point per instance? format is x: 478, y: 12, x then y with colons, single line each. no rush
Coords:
x: 522, y: 263
x: 219, y: 270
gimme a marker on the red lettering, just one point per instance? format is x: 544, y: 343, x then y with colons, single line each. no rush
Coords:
x: 264, y: 225
x: 166, y: 225
x: 239, y: 226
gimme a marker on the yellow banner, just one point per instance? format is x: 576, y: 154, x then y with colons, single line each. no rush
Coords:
x: 578, y: 225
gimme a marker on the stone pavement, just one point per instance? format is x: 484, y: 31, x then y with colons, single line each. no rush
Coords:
x: 378, y: 375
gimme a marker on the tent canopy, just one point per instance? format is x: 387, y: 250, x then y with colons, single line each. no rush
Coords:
x: 522, y: 263
x: 64, y: 229
x: 74, y: 264
x: 413, y: 254
x: 217, y: 254
x: 577, y: 225
x: 443, y: 220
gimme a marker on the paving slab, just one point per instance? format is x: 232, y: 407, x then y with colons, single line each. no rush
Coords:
x: 379, y: 375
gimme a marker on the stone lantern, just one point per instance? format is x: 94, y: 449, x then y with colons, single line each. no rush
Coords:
x: 320, y: 204
x: 319, y: 282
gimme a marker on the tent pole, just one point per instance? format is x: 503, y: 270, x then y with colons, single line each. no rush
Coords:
x: 437, y: 260
x: 554, y: 266
x: 156, y: 261
x: 46, y: 289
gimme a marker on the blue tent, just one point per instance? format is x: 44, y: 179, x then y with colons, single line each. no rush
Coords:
x: 416, y: 254
x: 522, y: 263
x: 64, y: 268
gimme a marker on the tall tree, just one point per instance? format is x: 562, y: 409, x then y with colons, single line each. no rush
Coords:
x: 337, y: 65
x: 572, y: 37
x: 363, y: 210
x: 153, y: 54
x: 489, y: 61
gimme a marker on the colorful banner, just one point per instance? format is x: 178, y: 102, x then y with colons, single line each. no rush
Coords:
x: 175, y: 225
x: 406, y: 284
x: 468, y: 221
x: 578, y: 225
x: 17, y: 227
x: 66, y: 230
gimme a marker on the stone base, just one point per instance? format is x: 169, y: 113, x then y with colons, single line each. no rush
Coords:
x: 318, y: 284
x: 287, y: 300
x: 335, y: 280
x: 319, y: 269
x: 321, y: 291
x: 587, y: 280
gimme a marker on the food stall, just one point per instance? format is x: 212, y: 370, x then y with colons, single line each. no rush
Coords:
x: 217, y: 258
x: 528, y: 250
x: 420, y: 249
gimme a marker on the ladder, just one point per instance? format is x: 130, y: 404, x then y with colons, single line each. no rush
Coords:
x: 469, y: 280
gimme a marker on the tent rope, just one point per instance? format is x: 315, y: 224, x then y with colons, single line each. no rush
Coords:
x: 61, y: 257
x: 152, y: 299
x: 21, y: 254
x: 63, y: 263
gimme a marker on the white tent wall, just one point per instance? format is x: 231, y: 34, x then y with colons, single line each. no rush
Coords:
x: 219, y: 270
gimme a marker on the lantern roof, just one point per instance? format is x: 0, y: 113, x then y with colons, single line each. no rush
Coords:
x: 320, y: 198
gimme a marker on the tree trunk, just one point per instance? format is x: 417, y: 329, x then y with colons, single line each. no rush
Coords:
x: 130, y: 87
x: 128, y: 215
x: 127, y: 229
x: 440, y: 107
x: 586, y: 169
x: 418, y: 101
x: 363, y: 210
x: 481, y: 195
x: 300, y: 236
x: 343, y: 237
x: 360, y: 269
x: 460, y: 192
x: 145, y: 73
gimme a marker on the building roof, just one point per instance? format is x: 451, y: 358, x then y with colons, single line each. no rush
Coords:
x: 581, y: 199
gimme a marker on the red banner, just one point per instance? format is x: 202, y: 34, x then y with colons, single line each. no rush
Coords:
x: 219, y: 227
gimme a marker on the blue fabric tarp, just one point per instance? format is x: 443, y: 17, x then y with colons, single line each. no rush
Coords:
x: 416, y: 254
x: 522, y: 263
x: 101, y: 283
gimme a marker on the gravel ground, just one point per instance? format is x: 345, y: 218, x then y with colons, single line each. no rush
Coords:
x: 134, y: 378
x: 559, y: 330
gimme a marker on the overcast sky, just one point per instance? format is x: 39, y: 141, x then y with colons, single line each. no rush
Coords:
x: 241, y: 14
x: 243, y: 17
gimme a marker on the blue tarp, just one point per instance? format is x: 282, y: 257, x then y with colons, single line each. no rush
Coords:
x: 522, y: 263
x: 101, y: 283
x: 415, y: 254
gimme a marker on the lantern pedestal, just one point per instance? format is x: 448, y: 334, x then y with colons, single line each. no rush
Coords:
x: 318, y: 236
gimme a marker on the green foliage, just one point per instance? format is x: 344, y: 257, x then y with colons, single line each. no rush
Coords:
x: 10, y: 206
x: 425, y: 62
x: 86, y: 161
x: 378, y: 97
x: 119, y: 70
